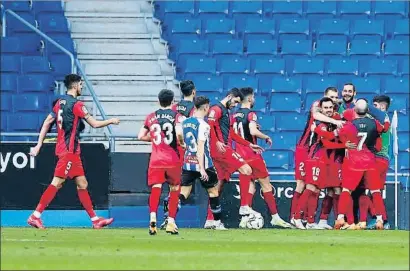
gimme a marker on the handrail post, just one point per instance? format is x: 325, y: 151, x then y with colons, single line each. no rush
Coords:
x: 4, y: 23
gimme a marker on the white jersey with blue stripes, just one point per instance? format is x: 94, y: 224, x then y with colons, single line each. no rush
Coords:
x: 195, y: 129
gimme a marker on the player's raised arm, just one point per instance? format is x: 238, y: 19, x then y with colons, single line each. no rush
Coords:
x: 81, y: 111
x: 317, y: 115
x: 48, y: 122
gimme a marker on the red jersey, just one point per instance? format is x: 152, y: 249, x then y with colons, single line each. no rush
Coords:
x: 305, y: 139
x: 69, y: 112
x: 363, y: 132
x: 161, y: 126
x: 241, y: 121
x: 185, y: 108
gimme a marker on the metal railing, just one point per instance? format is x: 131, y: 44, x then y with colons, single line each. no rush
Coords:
x: 75, y: 64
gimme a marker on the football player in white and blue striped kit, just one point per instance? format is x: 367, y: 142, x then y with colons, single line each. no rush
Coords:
x: 197, y: 164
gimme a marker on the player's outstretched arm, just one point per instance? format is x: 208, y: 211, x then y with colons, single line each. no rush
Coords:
x: 101, y: 123
x: 317, y: 115
x: 253, y: 128
x: 48, y: 122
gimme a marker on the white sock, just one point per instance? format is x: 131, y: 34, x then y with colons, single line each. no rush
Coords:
x: 36, y: 214
x: 341, y: 216
x: 276, y: 217
x: 379, y: 218
x: 171, y: 220
x: 153, y: 216
x: 95, y: 218
x: 323, y: 221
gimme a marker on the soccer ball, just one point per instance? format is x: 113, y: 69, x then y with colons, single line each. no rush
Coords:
x: 255, y: 222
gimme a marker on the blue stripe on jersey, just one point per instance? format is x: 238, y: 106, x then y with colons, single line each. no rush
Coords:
x: 190, y: 128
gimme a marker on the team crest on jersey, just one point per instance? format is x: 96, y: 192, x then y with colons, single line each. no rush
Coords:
x: 84, y: 110
x: 254, y: 117
x: 212, y: 114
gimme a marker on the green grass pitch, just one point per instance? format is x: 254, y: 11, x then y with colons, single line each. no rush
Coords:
x: 116, y: 249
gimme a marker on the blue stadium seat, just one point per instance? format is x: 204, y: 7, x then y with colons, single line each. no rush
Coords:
x: 15, y: 26
x: 212, y: 9
x: 308, y: 66
x: 11, y: 45
x: 260, y: 104
x: 310, y: 99
x: 241, y: 10
x: 290, y: 122
x: 380, y: 67
x: 293, y: 29
x: 35, y: 83
x: 284, y: 141
x: 277, y: 159
x: 368, y: 29
x: 23, y: 122
x: 333, y: 29
x: 404, y: 69
x: 343, y: 67
x: 189, y: 47
x: 404, y: 161
x: 227, y: 46
x: 6, y: 102
x: 219, y: 29
x: 233, y: 65
x: 214, y: 96
x: 48, y: 7
x: 186, y: 26
x: 231, y: 81
x: 258, y: 28
x: 4, y: 122
x: 287, y: 9
x: 8, y: 82
x: 267, y: 123
x: 261, y: 48
x: 17, y: 6
x: 64, y: 41
x: 35, y: 64
x: 208, y: 83
x: 200, y: 65
x: 289, y: 84
x: 30, y: 102
x: 53, y: 23
x: 403, y: 123
x: 399, y: 102
x: 270, y: 66
x: 173, y: 9
x: 285, y: 102
x: 321, y: 9
x: 355, y: 9
x: 396, y: 49
x: 60, y: 65
x: 296, y: 47
x: 30, y: 43
x: 367, y: 85
x: 331, y: 48
x: 364, y: 49
x: 319, y: 84
x: 388, y: 9
x: 396, y: 86
x: 403, y: 141
x: 401, y: 29
x: 10, y: 63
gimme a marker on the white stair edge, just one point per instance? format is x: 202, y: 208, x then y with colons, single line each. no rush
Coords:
x: 131, y: 78
x: 121, y: 57
x: 77, y: 14
x: 80, y: 35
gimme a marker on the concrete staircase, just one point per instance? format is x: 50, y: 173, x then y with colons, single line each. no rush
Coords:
x: 120, y: 48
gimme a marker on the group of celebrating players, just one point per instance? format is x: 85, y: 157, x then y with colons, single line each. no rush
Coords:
x: 344, y: 148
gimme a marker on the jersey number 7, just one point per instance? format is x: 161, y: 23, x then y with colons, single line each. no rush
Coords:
x: 363, y: 137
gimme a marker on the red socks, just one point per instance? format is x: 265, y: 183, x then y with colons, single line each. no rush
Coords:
x: 301, y: 203
x: 378, y: 202
x: 244, y: 182
x: 294, y: 203
x: 86, y: 202
x: 46, y: 198
x: 346, y: 206
x: 312, y: 206
x: 173, y: 203
x: 154, y: 199
x: 271, y: 202
x: 336, y: 205
x: 326, y: 207
x: 364, y: 206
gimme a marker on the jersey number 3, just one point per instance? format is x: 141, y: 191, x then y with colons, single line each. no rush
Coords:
x: 168, y: 129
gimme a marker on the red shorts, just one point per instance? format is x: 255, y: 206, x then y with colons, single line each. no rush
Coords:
x: 316, y: 172
x: 171, y: 175
x: 259, y: 170
x: 227, y: 164
x: 351, y: 178
x: 69, y: 166
x: 301, y: 155
x: 334, y: 175
x: 382, y: 166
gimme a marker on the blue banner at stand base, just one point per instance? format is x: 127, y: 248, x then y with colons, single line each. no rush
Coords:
x: 138, y: 216
x: 51, y: 218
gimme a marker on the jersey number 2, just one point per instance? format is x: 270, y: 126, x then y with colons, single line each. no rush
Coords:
x: 168, y: 129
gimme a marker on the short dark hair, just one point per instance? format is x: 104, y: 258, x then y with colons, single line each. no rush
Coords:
x: 246, y: 91
x: 325, y: 100
x: 236, y: 93
x: 187, y: 87
x: 382, y: 99
x: 350, y: 84
x: 165, y: 97
x: 200, y: 101
x: 70, y: 79
x: 329, y: 89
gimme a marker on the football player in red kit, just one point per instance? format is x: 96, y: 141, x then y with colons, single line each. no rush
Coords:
x: 302, y: 146
x: 165, y: 164
x: 245, y: 125
x: 68, y: 113
x: 225, y: 159
x: 359, y: 163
